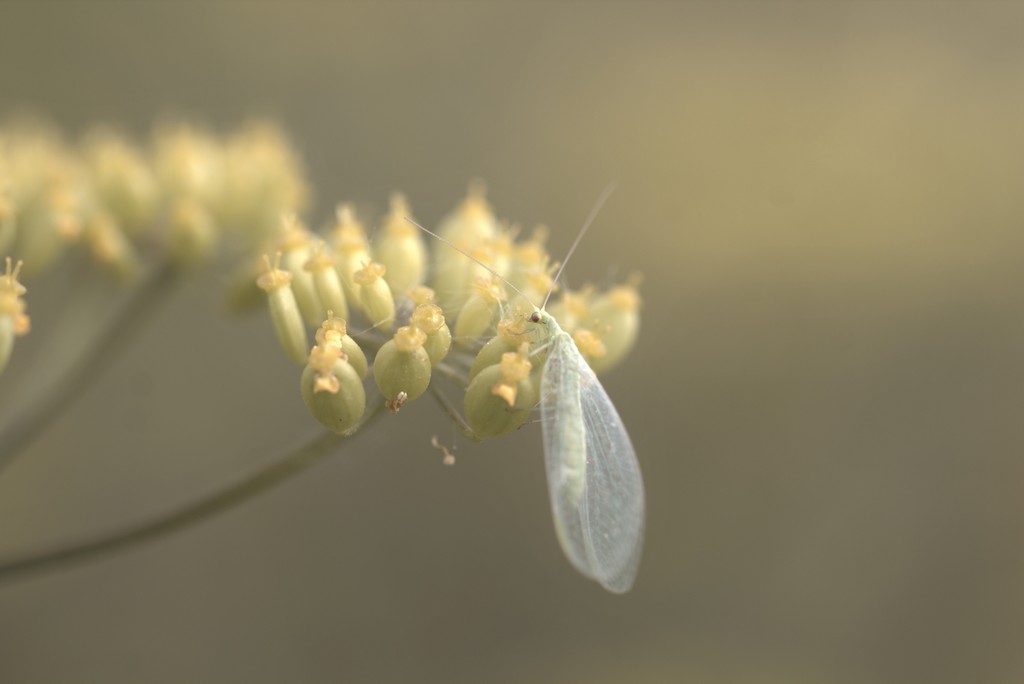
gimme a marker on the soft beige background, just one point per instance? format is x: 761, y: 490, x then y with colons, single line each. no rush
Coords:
x: 826, y: 399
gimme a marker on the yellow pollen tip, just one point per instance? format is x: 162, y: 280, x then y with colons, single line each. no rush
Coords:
x: 625, y: 297
x: 318, y: 260
x: 421, y: 294
x: 516, y: 366
x: 409, y: 339
x: 332, y: 331
x: 428, y: 317
x: 369, y: 273
x: 9, y: 281
x: 589, y: 344
x: 513, y: 329
x: 273, y: 277
x: 490, y: 289
x: 506, y: 392
x: 293, y: 234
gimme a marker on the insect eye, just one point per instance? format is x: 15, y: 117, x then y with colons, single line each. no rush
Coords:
x: 535, y: 317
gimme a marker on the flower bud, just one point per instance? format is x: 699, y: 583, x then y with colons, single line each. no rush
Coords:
x: 284, y: 310
x: 456, y: 273
x: 328, y: 284
x: 48, y: 223
x: 469, y: 227
x: 536, y: 286
x: 430, y: 319
x: 572, y: 309
x: 421, y: 295
x: 188, y: 162
x: 334, y: 332
x: 14, y: 322
x: 352, y: 250
x: 529, y: 256
x: 122, y: 180
x: 500, y: 397
x: 375, y: 296
x: 399, y: 246
x: 295, y: 245
x: 261, y: 178
x: 512, y: 332
x: 332, y: 390
x: 617, y: 315
x: 402, y: 367
x: 191, y: 232
x: 110, y: 247
x: 473, y: 220
x: 479, y: 312
x: 589, y: 345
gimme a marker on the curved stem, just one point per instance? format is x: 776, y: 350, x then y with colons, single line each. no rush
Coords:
x: 19, y: 433
x: 280, y: 470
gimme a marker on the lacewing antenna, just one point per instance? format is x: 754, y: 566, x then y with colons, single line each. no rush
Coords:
x: 579, y: 236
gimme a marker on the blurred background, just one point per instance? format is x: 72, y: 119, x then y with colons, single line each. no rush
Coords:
x: 825, y: 202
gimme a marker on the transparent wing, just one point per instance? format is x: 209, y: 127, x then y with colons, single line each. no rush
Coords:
x: 597, y: 493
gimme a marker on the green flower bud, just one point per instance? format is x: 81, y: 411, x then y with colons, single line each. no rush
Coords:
x: 399, y: 246
x: 375, y: 296
x: 111, y: 247
x: 48, y: 223
x: 332, y: 390
x: 590, y: 345
x: 529, y: 256
x: 328, y: 284
x: 499, y: 399
x: 572, y: 309
x: 284, y: 310
x: 123, y: 181
x: 473, y: 220
x: 455, y: 274
x: 480, y: 311
x: 352, y: 251
x: 14, y: 321
x: 617, y: 314
x: 512, y: 332
x: 191, y: 232
x: 402, y: 367
x: 470, y: 227
x: 334, y: 332
x: 430, y: 319
x: 295, y: 245
x: 421, y: 295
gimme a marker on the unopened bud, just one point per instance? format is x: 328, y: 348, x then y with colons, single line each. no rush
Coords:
x: 430, y: 319
x: 616, y: 315
x: 328, y: 284
x: 295, y: 244
x: 499, y: 399
x: 334, y: 332
x: 284, y: 310
x: 375, y: 296
x: 402, y: 366
x: 333, y: 391
x: 399, y: 246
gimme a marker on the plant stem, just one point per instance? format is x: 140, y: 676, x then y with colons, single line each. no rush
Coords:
x: 278, y: 471
x: 106, y: 348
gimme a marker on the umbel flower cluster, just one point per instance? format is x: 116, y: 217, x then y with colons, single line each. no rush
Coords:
x: 374, y: 313
x: 126, y: 209
x: 381, y: 304
x: 373, y: 319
